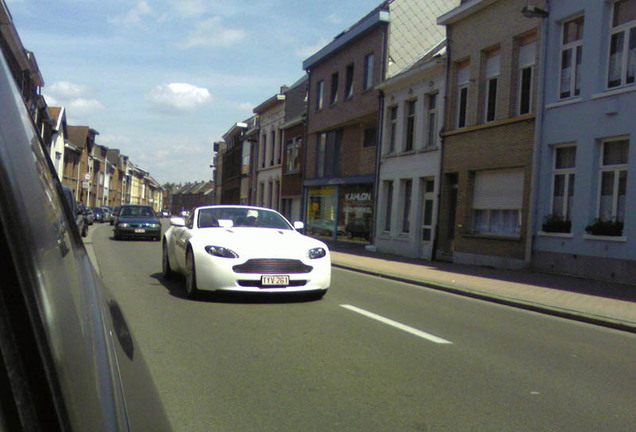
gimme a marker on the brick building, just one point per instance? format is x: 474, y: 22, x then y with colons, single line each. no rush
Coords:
x: 489, y: 138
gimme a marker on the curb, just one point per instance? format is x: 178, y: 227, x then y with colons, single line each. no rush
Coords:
x: 520, y: 304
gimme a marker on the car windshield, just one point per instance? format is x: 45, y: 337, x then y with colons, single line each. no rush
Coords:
x: 242, y: 217
x: 137, y: 212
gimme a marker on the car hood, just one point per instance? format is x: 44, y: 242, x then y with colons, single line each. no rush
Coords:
x: 258, y: 242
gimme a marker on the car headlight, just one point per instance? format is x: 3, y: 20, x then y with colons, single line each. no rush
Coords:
x: 316, y: 253
x: 153, y: 225
x: 123, y: 225
x: 221, y: 252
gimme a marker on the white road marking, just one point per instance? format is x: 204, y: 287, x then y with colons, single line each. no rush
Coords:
x: 397, y: 325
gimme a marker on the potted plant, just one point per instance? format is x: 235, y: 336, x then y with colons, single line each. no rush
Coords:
x: 601, y: 227
x: 556, y: 223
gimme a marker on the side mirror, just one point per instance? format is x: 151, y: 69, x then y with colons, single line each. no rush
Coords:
x: 177, y: 221
x: 299, y: 225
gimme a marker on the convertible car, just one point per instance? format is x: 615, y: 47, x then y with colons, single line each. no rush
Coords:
x: 244, y: 249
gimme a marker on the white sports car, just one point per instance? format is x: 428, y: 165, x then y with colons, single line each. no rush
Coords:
x: 244, y: 249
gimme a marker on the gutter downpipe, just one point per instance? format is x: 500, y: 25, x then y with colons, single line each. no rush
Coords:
x: 379, y: 138
x: 538, y: 140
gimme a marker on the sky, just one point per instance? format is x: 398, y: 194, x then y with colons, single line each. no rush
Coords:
x: 161, y: 80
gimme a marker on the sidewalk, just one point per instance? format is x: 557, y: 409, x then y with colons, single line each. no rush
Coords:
x: 601, y: 303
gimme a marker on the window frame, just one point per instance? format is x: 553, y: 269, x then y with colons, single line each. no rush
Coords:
x: 406, y: 198
x: 431, y: 120
x: 349, y: 78
x: 575, y: 48
x: 616, y: 170
x: 368, y: 71
x: 333, y: 98
x: 320, y: 88
x: 569, y: 176
x: 392, y: 119
x: 388, y: 200
x: 492, y: 67
x: 628, y: 30
x: 410, y: 118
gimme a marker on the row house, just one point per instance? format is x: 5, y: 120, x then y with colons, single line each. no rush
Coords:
x: 488, y: 136
x: 231, y: 170
x: 585, y: 218
x: 344, y: 115
x: 58, y: 139
x: 293, y: 133
x: 410, y: 157
x: 192, y: 195
x: 269, y: 155
x: 512, y: 149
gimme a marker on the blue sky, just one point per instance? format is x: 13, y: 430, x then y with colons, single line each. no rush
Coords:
x: 162, y: 79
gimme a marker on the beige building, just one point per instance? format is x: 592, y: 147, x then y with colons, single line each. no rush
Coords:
x: 489, y: 124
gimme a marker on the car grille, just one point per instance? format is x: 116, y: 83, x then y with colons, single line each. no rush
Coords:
x: 272, y: 266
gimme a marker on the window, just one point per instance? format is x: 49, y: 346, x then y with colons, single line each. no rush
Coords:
x: 410, y: 125
x: 388, y: 199
x: 263, y: 148
x: 613, y: 180
x: 431, y: 135
x: 563, y: 181
x: 492, y: 75
x: 349, y: 81
x: 407, y: 188
x: 292, y: 164
x: 428, y: 186
x: 320, y: 157
x: 392, y: 127
x: 622, y: 59
x: 571, y: 54
x: 497, y: 202
x: 368, y: 71
x: 334, y: 88
x: 319, y: 95
x: 245, y: 158
x: 272, y: 146
x: 527, y: 55
x: 328, y: 162
x: 369, y: 137
x: 463, y: 76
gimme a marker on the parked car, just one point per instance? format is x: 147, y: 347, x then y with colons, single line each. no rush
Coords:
x: 359, y: 227
x: 68, y: 359
x: 89, y: 215
x: 244, y: 249
x: 323, y: 227
x: 99, y: 214
x: 137, y: 221
x: 78, y: 213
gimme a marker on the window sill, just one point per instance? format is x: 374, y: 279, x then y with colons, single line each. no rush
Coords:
x: 428, y: 149
x: 564, y: 102
x: 555, y: 234
x: 615, y: 239
x: 615, y: 91
x: 492, y: 236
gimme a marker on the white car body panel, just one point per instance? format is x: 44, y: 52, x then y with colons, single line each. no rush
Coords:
x: 215, y: 273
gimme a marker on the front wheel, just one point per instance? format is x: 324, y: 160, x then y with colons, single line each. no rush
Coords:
x: 191, y: 276
x: 167, y: 271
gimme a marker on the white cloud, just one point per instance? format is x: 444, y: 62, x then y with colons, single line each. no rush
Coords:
x: 308, y: 51
x: 333, y: 19
x: 178, y: 98
x: 191, y: 8
x: 74, y: 97
x: 135, y: 16
x: 247, y: 106
x: 66, y: 90
x: 212, y: 33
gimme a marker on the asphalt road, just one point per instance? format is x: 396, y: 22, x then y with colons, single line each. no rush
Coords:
x: 373, y: 355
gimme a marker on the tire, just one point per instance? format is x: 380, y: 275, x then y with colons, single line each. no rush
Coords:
x: 166, y: 270
x: 84, y: 231
x: 191, y: 276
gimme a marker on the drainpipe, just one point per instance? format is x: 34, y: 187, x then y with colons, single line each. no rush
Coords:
x: 538, y: 140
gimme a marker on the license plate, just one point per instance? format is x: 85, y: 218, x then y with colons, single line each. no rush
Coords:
x: 277, y: 280
x: 140, y: 230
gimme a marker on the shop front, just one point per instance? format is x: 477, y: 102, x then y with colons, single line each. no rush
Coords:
x: 343, y: 211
